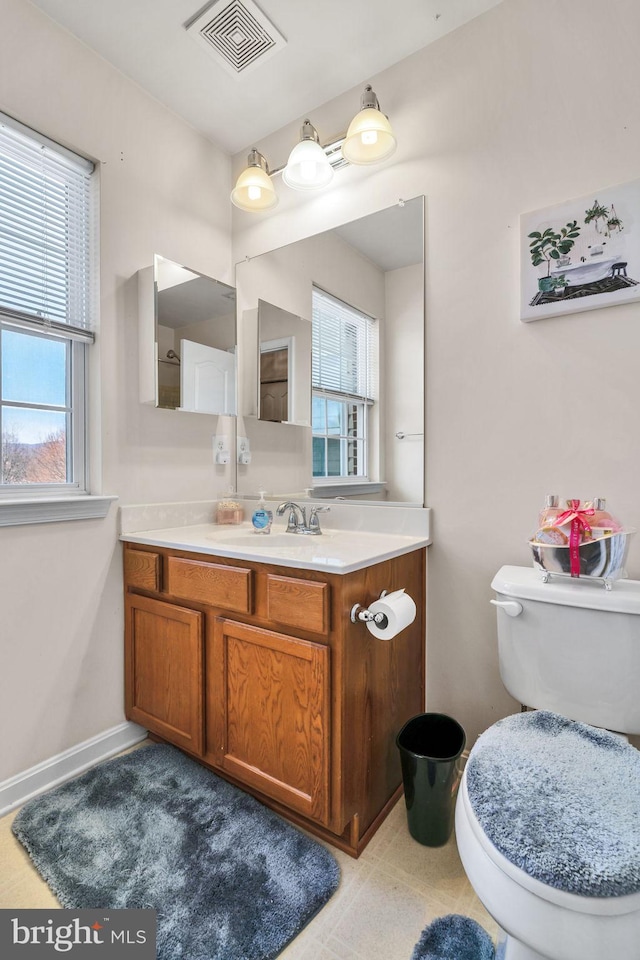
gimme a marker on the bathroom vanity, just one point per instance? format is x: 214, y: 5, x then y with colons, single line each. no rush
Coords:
x: 254, y: 667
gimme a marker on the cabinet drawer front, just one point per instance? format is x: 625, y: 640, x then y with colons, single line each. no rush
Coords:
x: 298, y: 603
x: 142, y: 569
x: 226, y: 587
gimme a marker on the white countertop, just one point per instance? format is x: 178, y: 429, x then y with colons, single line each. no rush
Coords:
x: 335, y: 550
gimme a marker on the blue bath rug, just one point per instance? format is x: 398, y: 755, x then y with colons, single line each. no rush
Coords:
x: 454, y: 938
x: 229, y: 879
x: 561, y: 801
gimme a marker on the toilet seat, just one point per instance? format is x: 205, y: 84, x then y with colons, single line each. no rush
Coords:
x: 600, y: 906
x: 556, y: 805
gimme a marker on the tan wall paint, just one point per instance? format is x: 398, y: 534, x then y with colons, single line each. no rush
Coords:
x: 403, y: 400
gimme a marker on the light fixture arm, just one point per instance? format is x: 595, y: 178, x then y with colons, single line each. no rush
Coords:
x: 368, y: 100
x: 255, y: 159
x: 309, y: 132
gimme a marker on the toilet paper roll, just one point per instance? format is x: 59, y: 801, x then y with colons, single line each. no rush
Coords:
x: 399, y: 610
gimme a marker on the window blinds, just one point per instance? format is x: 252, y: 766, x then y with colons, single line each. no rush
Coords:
x: 45, y: 230
x: 344, y: 348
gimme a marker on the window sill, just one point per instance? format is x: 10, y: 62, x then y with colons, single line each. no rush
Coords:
x: 347, y: 489
x: 14, y: 512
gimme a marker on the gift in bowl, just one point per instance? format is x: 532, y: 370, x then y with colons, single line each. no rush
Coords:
x: 604, y: 557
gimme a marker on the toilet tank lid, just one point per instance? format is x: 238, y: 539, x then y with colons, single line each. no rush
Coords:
x: 525, y: 583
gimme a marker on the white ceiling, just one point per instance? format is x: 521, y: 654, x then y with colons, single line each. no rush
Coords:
x: 332, y: 46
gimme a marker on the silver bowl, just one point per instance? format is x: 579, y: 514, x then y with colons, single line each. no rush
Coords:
x: 603, y: 558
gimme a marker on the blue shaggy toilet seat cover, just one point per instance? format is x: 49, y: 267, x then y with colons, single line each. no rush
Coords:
x: 560, y: 800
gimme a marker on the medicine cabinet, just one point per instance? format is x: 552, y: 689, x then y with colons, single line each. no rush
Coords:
x: 188, y: 342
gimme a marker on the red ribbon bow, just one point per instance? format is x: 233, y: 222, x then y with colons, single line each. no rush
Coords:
x: 579, y: 525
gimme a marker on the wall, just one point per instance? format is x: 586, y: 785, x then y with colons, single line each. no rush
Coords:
x: 164, y: 189
x: 530, y: 104
x: 404, y: 383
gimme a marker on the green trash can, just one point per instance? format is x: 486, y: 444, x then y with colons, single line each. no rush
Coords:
x: 430, y: 747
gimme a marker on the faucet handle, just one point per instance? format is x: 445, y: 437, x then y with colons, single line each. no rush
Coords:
x: 314, y: 521
x: 292, y: 523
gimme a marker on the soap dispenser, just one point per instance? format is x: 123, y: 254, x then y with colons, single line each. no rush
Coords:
x: 262, y: 518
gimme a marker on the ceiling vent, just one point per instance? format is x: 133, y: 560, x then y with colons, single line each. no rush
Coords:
x: 237, y: 34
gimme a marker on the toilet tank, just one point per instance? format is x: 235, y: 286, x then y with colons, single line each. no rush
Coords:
x: 571, y: 647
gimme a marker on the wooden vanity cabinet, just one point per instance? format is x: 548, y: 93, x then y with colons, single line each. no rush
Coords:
x: 257, y: 671
x: 269, y: 708
x: 164, y: 658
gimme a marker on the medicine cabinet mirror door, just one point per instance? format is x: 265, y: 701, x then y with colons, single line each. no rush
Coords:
x: 188, y: 321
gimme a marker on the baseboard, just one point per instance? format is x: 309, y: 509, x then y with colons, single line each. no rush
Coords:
x: 17, y: 790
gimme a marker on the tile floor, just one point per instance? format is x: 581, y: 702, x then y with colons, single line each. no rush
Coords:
x: 384, y: 901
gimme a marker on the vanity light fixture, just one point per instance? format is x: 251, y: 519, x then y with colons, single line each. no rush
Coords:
x: 368, y: 140
x: 254, y: 189
x: 308, y: 166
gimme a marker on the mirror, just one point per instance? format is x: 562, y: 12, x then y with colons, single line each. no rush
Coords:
x: 191, y: 318
x: 374, y: 268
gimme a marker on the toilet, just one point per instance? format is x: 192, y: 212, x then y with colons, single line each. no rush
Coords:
x: 548, y: 810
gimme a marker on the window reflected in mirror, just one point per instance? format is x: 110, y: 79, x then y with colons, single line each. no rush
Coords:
x: 344, y: 387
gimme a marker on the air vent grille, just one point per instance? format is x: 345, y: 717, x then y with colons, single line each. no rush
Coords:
x: 238, y: 34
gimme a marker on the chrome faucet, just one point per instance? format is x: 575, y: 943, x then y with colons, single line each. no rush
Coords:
x: 293, y: 525
x: 299, y: 524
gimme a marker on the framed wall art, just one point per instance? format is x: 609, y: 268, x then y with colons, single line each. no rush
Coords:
x: 582, y: 254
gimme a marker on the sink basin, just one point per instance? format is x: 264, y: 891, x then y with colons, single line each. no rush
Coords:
x: 270, y: 541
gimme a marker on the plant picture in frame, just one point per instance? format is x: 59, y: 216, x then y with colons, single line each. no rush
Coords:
x: 582, y: 254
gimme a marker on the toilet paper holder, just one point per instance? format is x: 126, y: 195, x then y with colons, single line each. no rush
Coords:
x: 364, y: 615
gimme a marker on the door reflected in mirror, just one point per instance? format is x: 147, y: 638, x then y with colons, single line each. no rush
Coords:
x: 195, y: 337
x: 285, y: 366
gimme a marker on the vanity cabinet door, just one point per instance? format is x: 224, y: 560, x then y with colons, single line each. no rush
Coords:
x: 268, y: 714
x: 164, y: 670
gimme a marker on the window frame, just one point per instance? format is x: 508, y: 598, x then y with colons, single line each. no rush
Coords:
x: 44, y: 502
x: 360, y: 438
x: 75, y: 409
x: 360, y: 482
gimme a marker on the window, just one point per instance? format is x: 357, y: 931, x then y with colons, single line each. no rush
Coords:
x: 47, y: 229
x: 48, y: 226
x: 345, y: 387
